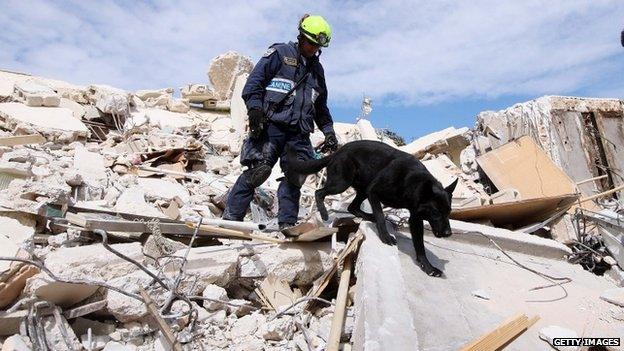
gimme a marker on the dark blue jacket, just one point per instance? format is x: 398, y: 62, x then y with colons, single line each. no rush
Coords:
x: 275, y: 74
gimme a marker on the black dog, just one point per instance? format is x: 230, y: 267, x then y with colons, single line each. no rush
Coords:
x: 385, y: 175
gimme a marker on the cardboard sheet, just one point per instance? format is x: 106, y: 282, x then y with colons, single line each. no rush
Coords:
x: 522, y: 165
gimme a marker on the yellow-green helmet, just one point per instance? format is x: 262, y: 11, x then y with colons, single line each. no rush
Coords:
x: 316, y: 29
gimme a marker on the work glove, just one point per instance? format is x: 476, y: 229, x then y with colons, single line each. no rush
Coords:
x: 331, y: 142
x: 256, y: 122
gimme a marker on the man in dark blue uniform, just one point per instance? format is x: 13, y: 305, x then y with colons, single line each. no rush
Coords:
x: 285, y: 95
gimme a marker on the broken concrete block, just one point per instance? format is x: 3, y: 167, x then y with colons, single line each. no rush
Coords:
x: 211, y: 264
x: 223, y: 71
x: 97, y: 342
x: 278, y: 329
x: 217, y: 293
x: 178, y: 105
x: 450, y: 141
x: 197, y: 93
x: 124, y: 308
x: 367, y: 131
x: 58, y: 334
x: 36, y: 94
x: 115, y: 346
x: 59, y: 293
x: 161, y: 189
x: 146, y: 95
x: 553, y: 331
x: 77, y: 109
x: 161, y: 246
x: 114, y: 104
x: 240, y: 307
x: 94, y: 261
x: 47, y: 120
x: 16, y: 228
x: 445, y: 171
x: 614, y: 296
x: 16, y: 343
x: 246, y: 325
x: 132, y: 200
x: 167, y: 119
x: 91, y: 262
x: 89, y: 165
x: 298, y: 264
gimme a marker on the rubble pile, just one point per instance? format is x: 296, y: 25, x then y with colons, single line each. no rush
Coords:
x: 111, y: 204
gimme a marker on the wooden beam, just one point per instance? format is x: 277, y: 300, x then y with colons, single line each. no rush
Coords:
x: 591, y: 179
x: 605, y: 193
x: 314, y: 234
x: 22, y: 140
x: 162, y: 325
x: 503, y: 334
x: 335, y: 332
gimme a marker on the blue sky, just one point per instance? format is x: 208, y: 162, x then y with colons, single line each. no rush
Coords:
x: 426, y: 64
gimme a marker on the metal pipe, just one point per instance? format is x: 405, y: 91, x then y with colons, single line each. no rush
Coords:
x: 234, y: 224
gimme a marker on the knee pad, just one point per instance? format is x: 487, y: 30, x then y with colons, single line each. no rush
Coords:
x: 259, y: 174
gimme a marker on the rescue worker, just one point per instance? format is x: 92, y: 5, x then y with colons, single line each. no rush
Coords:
x: 285, y: 95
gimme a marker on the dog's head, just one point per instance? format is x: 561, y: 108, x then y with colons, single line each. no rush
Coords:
x: 435, y: 206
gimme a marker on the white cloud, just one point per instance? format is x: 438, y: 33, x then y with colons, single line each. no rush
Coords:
x: 406, y: 52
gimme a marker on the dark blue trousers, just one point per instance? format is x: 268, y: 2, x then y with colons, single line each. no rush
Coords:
x: 272, y: 145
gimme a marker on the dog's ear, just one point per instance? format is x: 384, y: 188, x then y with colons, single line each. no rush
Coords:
x: 449, y: 189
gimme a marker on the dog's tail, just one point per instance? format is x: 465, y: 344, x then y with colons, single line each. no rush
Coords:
x: 305, y: 167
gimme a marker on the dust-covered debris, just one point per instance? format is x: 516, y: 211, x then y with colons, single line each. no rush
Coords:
x: 99, y: 157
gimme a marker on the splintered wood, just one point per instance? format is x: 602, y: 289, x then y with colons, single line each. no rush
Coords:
x: 276, y: 293
x: 320, y: 284
x: 502, y: 335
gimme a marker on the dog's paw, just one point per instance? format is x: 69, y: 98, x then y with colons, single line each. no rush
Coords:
x: 431, y: 270
x: 324, y: 215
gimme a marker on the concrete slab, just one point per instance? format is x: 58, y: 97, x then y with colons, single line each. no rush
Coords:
x: 58, y: 118
x: 167, y: 119
x: 447, y: 316
x: 383, y: 320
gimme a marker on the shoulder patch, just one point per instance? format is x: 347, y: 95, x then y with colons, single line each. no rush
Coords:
x: 291, y: 61
x: 268, y: 52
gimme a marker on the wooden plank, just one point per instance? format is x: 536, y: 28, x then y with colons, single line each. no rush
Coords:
x: 605, y: 193
x: 335, y: 332
x: 501, y: 335
x: 162, y: 325
x: 22, y: 140
x: 299, y: 229
x: 315, y: 234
